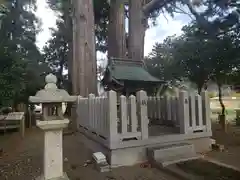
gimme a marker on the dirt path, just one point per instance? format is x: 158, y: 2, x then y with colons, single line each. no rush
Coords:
x: 231, y: 142
x: 22, y: 159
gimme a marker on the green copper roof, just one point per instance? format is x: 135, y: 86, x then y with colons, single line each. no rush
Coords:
x: 130, y: 70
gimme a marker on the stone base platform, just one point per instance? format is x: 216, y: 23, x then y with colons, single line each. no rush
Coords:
x: 126, y: 154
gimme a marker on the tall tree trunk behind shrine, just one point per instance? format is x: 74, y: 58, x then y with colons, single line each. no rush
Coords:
x: 116, y: 36
x: 84, y: 67
x: 137, y: 27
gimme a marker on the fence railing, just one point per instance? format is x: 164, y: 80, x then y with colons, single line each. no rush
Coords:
x: 190, y: 112
x: 92, y: 114
x: 129, y: 118
x: 163, y: 110
x: 100, y: 116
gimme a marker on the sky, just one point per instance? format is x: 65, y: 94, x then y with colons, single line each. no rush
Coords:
x: 166, y: 26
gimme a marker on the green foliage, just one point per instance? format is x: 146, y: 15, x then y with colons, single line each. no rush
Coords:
x: 161, y: 62
x: 101, y: 13
x: 20, y: 71
x: 196, y: 56
x: 56, y: 52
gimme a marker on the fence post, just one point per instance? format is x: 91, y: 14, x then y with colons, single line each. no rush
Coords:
x: 77, y: 112
x: 133, y: 114
x: 183, y: 112
x: 168, y: 108
x: 90, y: 122
x: 206, y: 110
x: 112, y: 116
x: 74, y: 116
x: 158, y: 109
x: 142, y: 113
x: 123, y: 114
x: 199, y: 111
x: 192, y: 110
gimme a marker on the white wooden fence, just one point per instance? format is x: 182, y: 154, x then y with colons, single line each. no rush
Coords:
x: 163, y: 110
x: 99, y: 115
x: 189, y: 112
x: 128, y: 119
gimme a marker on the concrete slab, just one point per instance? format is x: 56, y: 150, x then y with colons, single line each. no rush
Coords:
x: 172, y: 154
x: 161, y: 152
x: 178, y: 158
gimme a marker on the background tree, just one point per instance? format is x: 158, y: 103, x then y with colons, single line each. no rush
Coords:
x: 21, y: 71
x: 161, y: 62
x: 200, y: 57
x: 56, y: 54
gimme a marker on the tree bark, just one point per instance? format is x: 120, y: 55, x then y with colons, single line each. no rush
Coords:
x: 137, y: 27
x: 73, y: 64
x: 154, y: 4
x: 116, y: 34
x: 220, y: 98
x: 84, y: 65
x: 222, y: 117
x: 200, y: 85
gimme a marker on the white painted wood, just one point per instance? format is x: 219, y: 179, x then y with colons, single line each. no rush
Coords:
x: 163, y: 109
x: 177, y: 110
x: 158, y: 108
x: 123, y: 114
x: 151, y: 112
x: 199, y: 111
x: 105, y: 117
x: 98, y: 116
x: 142, y: 107
x: 154, y: 108
x: 112, y: 116
x: 133, y: 114
x: 192, y: 110
x: 206, y: 110
x: 173, y: 110
x: 183, y: 112
x: 90, y: 121
x: 78, y: 118
x: 168, y: 107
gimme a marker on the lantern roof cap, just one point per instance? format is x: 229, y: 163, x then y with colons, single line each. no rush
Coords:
x: 51, y: 94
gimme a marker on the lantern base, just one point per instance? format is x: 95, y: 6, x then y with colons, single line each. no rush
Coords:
x: 64, y: 177
x: 52, y: 124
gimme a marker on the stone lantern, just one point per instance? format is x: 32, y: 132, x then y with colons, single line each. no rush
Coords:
x: 52, y: 123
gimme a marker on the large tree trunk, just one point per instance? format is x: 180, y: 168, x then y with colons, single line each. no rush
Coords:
x: 116, y: 36
x: 83, y: 65
x: 73, y: 65
x: 67, y: 16
x: 137, y: 27
x: 84, y: 55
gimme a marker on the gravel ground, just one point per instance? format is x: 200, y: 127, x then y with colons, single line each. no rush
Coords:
x: 22, y: 160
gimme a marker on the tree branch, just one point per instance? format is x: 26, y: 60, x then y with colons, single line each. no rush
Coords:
x: 154, y: 4
x: 181, y: 11
x: 201, y: 20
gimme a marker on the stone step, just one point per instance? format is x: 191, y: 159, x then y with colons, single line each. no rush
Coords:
x: 170, y: 150
x: 174, y: 153
x: 177, y: 159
